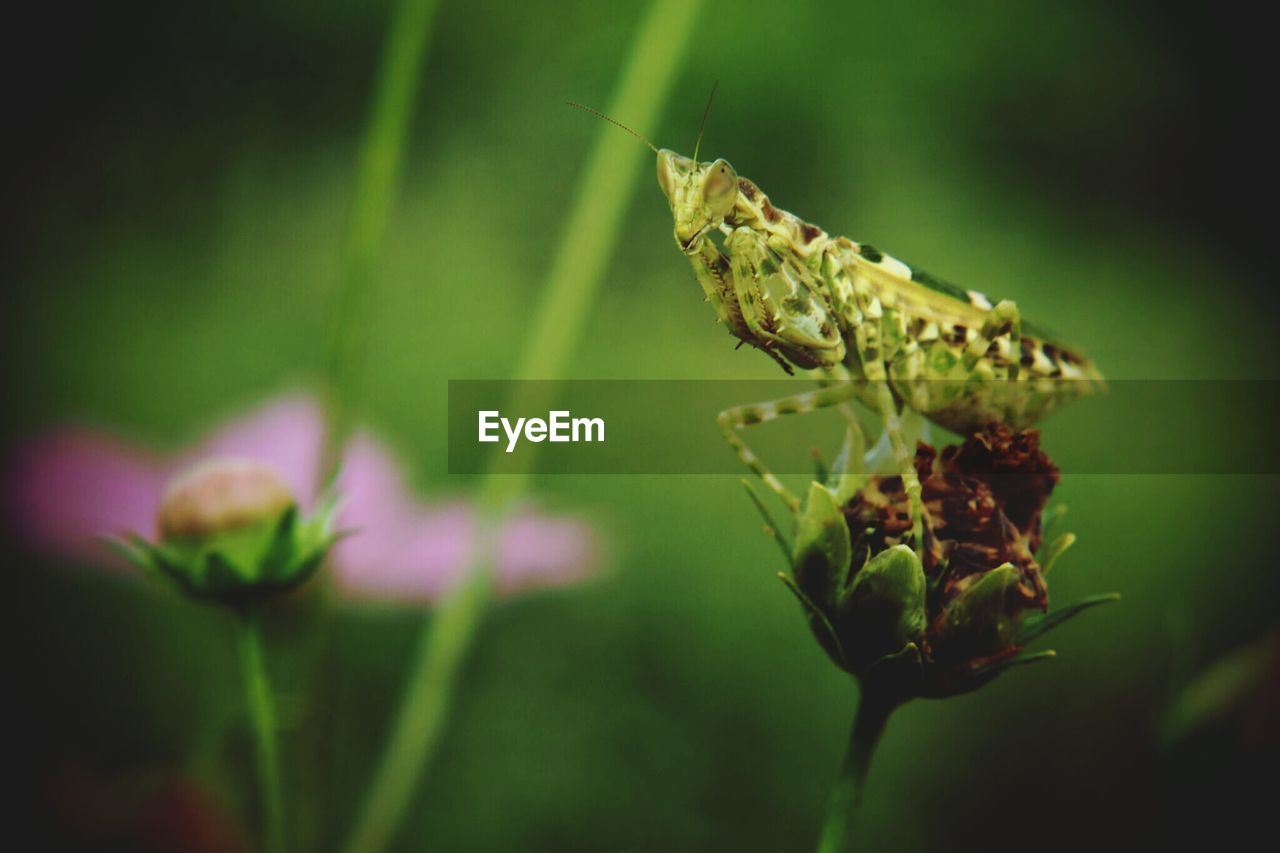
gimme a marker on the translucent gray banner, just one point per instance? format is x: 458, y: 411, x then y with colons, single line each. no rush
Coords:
x: 669, y: 427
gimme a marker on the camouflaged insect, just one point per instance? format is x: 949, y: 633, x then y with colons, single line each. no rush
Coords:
x: 878, y: 330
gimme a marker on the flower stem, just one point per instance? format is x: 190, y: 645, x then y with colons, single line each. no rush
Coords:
x: 262, y: 722
x: 379, y: 160
x: 587, y: 242
x: 846, y: 793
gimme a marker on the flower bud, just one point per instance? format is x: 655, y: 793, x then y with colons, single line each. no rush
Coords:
x: 219, y: 495
x: 229, y: 530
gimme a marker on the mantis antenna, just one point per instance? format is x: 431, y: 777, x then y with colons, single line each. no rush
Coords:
x: 703, y: 124
x: 614, y: 122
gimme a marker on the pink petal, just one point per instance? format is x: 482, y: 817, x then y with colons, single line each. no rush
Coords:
x: 407, y: 550
x: 399, y: 547
x: 537, y: 550
x: 285, y: 433
x: 69, y: 487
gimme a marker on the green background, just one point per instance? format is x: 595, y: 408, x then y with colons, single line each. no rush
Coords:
x: 176, y: 229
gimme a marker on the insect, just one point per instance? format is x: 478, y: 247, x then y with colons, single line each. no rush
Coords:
x: 870, y: 326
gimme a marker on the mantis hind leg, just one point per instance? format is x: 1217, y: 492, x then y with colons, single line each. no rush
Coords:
x: 1003, y: 323
x: 733, y: 419
x: 903, y: 456
x: 870, y: 341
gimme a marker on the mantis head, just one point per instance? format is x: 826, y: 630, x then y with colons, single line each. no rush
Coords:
x: 701, y: 195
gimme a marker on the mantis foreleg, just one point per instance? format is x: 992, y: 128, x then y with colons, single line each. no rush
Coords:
x: 715, y: 275
x: 874, y: 331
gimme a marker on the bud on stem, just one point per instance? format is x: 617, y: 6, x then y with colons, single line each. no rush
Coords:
x: 230, y: 531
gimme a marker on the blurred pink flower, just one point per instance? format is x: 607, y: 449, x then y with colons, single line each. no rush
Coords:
x: 64, y: 489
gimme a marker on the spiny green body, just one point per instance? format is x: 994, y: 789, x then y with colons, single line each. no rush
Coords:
x: 811, y: 300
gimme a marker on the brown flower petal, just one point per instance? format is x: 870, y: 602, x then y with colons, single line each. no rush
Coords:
x: 982, y: 502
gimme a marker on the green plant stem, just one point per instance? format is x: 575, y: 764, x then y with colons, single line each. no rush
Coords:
x: 846, y: 793
x: 379, y: 160
x: 378, y: 166
x: 590, y: 235
x: 262, y: 722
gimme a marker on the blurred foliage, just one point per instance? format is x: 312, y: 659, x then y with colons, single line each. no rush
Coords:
x: 175, y: 232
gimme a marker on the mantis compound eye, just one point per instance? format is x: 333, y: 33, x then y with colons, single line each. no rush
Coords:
x: 673, y: 171
x: 720, y: 188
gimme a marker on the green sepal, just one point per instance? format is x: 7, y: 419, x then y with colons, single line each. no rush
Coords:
x: 173, y: 568
x: 967, y: 678
x: 1010, y: 662
x: 967, y: 682
x: 318, y: 531
x: 979, y: 621
x: 309, y: 542
x: 1050, y: 553
x: 893, y: 577
x: 134, y: 550
x: 827, y: 636
x: 302, y: 571
x: 227, y: 559
x: 823, y: 549
x: 275, y: 562
x: 883, y: 610
x: 1039, y: 623
x: 258, y: 560
x: 157, y: 562
x: 222, y: 575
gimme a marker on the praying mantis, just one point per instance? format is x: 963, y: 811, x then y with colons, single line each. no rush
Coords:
x: 868, y: 325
